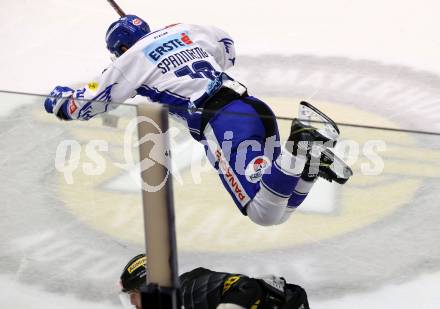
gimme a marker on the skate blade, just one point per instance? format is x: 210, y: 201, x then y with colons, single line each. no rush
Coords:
x: 335, y: 168
x: 324, y: 125
x: 342, y: 171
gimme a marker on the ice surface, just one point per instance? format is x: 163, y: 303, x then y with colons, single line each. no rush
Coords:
x: 371, y: 244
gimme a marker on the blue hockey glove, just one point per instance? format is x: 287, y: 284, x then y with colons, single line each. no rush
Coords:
x: 58, y: 101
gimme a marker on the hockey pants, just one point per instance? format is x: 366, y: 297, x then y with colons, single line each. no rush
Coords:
x: 261, y: 176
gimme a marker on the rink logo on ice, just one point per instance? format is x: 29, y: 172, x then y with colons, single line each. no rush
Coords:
x: 155, y: 51
x: 396, y: 93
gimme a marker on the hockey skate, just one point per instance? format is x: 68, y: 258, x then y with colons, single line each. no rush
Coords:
x: 303, y: 135
x: 327, y: 166
x: 314, y: 141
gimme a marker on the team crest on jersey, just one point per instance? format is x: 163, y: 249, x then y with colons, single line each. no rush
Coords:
x: 255, y: 169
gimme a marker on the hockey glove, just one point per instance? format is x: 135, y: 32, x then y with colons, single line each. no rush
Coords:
x: 59, y: 101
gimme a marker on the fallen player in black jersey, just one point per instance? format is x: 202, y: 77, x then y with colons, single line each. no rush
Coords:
x: 206, y: 289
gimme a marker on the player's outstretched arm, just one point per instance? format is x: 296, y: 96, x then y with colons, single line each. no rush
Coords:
x: 92, y: 99
x: 58, y: 100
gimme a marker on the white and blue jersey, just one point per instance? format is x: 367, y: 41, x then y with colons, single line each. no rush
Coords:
x: 173, y: 66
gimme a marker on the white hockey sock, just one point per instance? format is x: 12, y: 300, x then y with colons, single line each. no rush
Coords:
x: 289, y: 163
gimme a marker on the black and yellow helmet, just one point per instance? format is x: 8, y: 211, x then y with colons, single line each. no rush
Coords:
x: 134, y: 274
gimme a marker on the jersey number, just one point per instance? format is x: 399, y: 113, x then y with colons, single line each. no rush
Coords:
x: 200, y: 69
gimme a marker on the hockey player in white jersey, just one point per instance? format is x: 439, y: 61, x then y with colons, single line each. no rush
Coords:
x: 183, y: 66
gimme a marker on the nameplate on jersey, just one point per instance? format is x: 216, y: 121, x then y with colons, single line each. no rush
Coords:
x: 167, y: 45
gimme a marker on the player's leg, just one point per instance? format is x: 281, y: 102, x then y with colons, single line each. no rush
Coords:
x: 259, y: 178
x: 329, y: 166
x: 295, y: 155
x: 264, y: 197
x: 322, y: 162
x: 234, y: 142
x: 302, y: 189
x: 275, y: 188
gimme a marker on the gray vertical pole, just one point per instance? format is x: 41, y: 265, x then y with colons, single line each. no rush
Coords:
x: 160, y: 234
